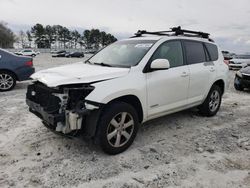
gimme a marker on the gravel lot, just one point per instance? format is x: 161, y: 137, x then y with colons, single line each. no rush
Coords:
x: 179, y: 150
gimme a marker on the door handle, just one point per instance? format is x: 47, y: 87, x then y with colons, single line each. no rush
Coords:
x: 184, y: 74
x: 212, y: 69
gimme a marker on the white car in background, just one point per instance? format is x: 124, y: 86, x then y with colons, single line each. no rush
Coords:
x: 27, y: 52
x: 129, y: 82
x: 239, y: 61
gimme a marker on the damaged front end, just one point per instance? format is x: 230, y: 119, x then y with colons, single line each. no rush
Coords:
x: 64, y: 108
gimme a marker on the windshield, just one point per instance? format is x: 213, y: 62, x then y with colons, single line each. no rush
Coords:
x: 122, y: 53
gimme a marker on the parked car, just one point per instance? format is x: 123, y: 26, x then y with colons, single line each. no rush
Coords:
x: 128, y: 83
x: 242, y: 79
x: 239, y: 61
x: 27, y: 53
x: 75, y: 54
x: 53, y: 51
x: 13, y: 68
x: 60, y: 53
x: 91, y: 51
x: 37, y: 52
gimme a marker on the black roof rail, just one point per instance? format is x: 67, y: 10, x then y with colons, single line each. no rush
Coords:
x: 175, y: 31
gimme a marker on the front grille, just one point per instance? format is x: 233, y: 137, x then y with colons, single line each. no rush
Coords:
x: 42, y: 95
x: 246, y: 77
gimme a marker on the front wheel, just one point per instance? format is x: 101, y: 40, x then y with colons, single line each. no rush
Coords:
x: 117, y: 127
x: 212, y: 103
x: 7, y: 81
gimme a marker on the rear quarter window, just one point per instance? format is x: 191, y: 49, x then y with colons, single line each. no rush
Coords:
x: 212, y: 51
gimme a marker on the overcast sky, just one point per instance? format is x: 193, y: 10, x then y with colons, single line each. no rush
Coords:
x: 228, y: 21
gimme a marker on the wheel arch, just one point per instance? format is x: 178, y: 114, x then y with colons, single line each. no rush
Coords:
x: 133, y: 101
x: 221, y: 84
x: 11, y: 72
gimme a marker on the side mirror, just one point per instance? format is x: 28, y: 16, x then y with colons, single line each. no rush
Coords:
x: 160, y: 64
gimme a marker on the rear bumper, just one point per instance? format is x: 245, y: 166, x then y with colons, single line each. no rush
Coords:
x: 24, y: 73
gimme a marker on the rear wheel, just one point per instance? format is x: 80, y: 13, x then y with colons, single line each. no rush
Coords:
x: 117, y: 128
x: 7, y: 81
x: 212, y: 103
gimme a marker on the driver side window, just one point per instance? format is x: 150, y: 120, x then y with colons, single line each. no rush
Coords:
x: 172, y: 51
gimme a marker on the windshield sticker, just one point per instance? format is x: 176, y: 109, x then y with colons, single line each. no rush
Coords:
x: 145, y: 45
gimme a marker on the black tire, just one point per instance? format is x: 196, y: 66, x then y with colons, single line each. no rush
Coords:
x: 115, y: 111
x: 33, y: 55
x: 206, y: 109
x: 237, y: 85
x: 11, y: 80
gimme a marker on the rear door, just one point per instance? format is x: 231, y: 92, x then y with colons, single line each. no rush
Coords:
x: 202, y: 70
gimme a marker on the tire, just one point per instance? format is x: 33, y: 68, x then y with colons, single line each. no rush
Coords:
x: 7, y: 81
x: 33, y: 55
x: 237, y: 85
x: 212, y: 103
x: 112, y: 135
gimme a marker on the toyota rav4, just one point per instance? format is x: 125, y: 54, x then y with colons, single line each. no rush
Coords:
x: 129, y: 82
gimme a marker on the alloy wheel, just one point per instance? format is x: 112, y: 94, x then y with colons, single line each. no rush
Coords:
x: 214, y: 100
x: 120, y: 129
x: 6, y: 81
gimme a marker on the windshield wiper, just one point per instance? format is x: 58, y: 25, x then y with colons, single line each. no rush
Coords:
x: 88, y: 61
x: 103, y: 64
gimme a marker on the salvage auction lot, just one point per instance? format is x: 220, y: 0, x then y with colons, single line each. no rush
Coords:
x: 182, y: 149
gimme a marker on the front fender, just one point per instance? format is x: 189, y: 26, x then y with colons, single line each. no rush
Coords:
x: 109, y: 90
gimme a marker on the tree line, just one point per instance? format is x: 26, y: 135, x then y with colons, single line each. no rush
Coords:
x: 55, y: 36
x: 7, y: 37
x: 61, y: 37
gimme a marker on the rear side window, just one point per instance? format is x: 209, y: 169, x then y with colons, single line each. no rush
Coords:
x: 194, y: 52
x: 213, y: 51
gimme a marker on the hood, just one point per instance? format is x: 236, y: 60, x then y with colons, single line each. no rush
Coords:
x: 77, y: 73
x: 245, y: 70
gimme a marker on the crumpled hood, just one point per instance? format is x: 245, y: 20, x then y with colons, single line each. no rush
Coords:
x: 77, y: 73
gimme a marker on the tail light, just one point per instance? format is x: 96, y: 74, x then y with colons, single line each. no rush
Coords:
x: 29, y: 64
x: 226, y: 62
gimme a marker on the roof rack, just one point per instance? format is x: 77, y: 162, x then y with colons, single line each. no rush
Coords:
x: 175, y: 31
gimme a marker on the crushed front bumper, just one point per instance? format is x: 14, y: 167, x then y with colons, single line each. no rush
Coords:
x: 51, y: 119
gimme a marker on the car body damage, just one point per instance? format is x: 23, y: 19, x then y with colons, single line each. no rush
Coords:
x: 58, y: 95
x: 77, y: 73
x: 63, y: 108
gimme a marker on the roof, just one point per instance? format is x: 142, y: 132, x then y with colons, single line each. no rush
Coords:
x: 156, y: 38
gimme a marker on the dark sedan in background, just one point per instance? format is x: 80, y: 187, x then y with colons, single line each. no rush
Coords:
x: 60, y: 53
x: 242, y: 79
x: 14, y: 68
x: 75, y: 54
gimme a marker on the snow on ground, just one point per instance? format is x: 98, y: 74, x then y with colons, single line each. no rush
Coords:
x: 178, y: 150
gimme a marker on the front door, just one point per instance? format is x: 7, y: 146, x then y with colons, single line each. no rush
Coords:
x: 167, y: 89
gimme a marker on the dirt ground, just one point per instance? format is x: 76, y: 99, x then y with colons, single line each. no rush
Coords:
x: 178, y: 150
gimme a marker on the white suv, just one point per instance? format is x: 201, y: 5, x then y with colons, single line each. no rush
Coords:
x: 27, y: 53
x: 128, y: 83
